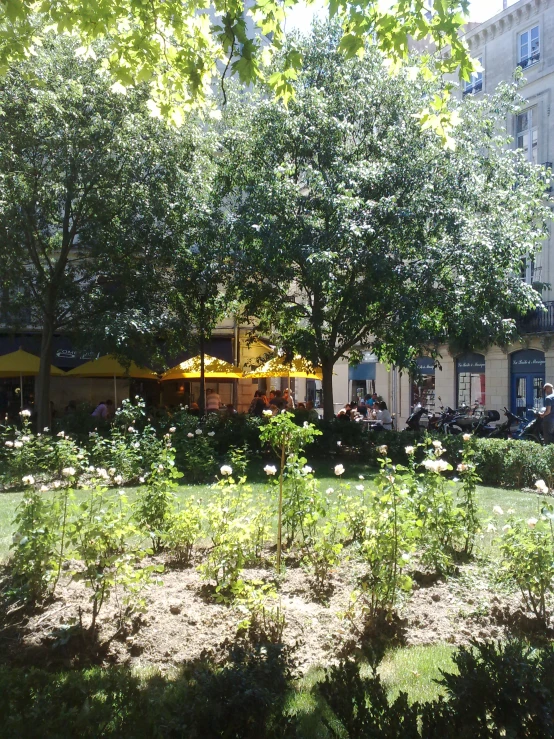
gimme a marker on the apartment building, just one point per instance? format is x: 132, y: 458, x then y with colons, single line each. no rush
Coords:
x: 521, y: 35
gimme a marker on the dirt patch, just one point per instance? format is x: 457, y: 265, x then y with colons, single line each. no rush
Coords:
x: 182, y: 621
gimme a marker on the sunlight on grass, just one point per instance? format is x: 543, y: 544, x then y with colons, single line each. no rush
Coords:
x: 413, y: 670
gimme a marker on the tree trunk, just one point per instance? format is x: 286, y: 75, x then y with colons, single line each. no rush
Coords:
x: 43, y: 391
x: 327, y: 386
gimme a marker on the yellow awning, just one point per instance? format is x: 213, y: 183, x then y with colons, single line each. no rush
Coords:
x: 108, y: 366
x: 23, y: 364
x: 214, y: 368
x: 277, y: 367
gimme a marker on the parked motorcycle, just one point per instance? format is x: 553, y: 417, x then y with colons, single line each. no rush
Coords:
x: 413, y: 422
x: 484, y: 427
x: 530, y: 430
x: 507, y: 428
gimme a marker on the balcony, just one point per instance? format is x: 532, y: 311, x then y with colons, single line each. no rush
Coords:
x: 539, y: 321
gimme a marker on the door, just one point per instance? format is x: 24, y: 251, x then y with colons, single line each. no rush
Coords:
x: 527, y: 393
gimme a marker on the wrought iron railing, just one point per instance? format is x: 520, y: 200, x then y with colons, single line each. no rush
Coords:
x: 539, y: 321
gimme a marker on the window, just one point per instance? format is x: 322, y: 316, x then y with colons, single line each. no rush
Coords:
x: 527, y: 134
x: 529, y: 51
x: 475, y: 84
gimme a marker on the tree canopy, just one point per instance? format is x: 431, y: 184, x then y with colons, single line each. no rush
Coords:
x: 355, y: 227
x: 97, y: 198
x: 179, y: 48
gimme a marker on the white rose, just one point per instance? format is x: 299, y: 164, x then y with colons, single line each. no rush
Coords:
x: 9, y: 443
x: 28, y: 480
x: 339, y: 443
x: 359, y: 487
x: 437, y: 444
x: 339, y: 469
x: 25, y: 413
x: 43, y: 488
x: 46, y: 429
x: 17, y: 444
x: 60, y: 433
x: 498, y: 510
x: 306, y: 469
x: 383, y: 449
x: 190, y: 436
x: 329, y: 491
x: 141, y: 479
x: 267, y: 412
x: 466, y: 437
x: 172, y: 430
x: 112, y: 470
x: 361, y: 477
x: 118, y: 479
x: 56, y: 484
x: 198, y: 432
x: 542, y: 486
x: 226, y: 470
x: 211, y: 433
x: 506, y: 527
x: 462, y: 467
x: 409, y: 449
x: 68, y: 471
x: 270, y: 469
x: 25, y: 438
x: 532, y: 522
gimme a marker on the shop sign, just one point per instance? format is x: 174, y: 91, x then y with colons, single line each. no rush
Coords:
x: 528, y: 360
x: 426, y: 365
x: 474, y: 363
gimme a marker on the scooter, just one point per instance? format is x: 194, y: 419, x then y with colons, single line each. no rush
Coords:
x: 484, y: 427
x: 506, y: 429
x: 413, y: 422
x: 530, y: 430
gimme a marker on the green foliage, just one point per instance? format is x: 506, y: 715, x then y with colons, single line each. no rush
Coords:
x: 182, y: 530
x: 468, y: 504
x: 264, y: 619
x: 102, y: 538
x: 195, y: 454
x: 528, y: 560
x: 153, y: 506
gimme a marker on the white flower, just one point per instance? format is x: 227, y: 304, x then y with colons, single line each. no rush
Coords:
x: 18, y: 444
x: 462, y: 467
x: 90, y: 469
x: 190, y: 436
x: 118, y: 479
x: 329, y: 491
x: 359, y: 487
x: 160, y: 468
x: 198, y: 432
x: 409, y: 449
x: 60, y: 433
x: 510, y: 511
x: 305, y: 424
x: 406, y: 557
x: 506, y: 527
x: 136, y: 445
x: 390, y: 478
x: 383, y: 449
x: 491, y: 528
x: 172, y: 430
x: 132, y: 430
x: 542, y: 486
x: 25, y: 414
x: 226, y: 470
x: 211, y: 433
x: 361, y: 477
x: 339, y: 470
x: 112, y: 470
x: 339, y: 443
x: 498, y: 510
x: 270, y: 469
x: 56, y: 484
x: 28, y: 480
x: 532, y: 522
x: 267, y: 412
x: 466, y: 437
x: 141, y: 479
x: 25, y: 438
x: 9, y: 443
x: 46, y: 429
x: 306, y: 469
x: 43, y: 489
x: 437, y: 444
x: 102, y: 473
x: 68, y: 471
x: 435, y: 465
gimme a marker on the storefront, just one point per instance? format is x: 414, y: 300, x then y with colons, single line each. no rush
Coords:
x: 423, y: 387
x: 361, y: 377
x: 527, y: 380
x: 470, y: 380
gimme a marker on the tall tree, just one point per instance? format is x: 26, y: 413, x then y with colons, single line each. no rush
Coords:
x: 355, y: 227
x: 178, y: 48
x: 94, y: 197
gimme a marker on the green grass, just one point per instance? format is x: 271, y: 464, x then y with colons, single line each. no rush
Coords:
x: 524, y: 504
x: 413, y: 670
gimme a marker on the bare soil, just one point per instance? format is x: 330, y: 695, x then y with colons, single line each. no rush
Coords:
x: 183, y: 621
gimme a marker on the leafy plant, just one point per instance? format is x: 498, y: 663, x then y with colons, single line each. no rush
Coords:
x: 182, y: 531
x: 264, y: 619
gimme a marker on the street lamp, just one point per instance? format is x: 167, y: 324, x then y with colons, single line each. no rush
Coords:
x: 202, y: 289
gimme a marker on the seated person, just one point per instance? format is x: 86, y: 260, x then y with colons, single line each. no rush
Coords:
x: 278, y: 401
x: 384, y: 415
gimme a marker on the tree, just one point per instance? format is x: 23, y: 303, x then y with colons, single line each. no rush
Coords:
x: 354, y: 227
x: 95, y: 198
x: 178, y: 48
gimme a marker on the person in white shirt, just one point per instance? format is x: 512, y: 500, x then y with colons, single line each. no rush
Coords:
x: 383, y: 415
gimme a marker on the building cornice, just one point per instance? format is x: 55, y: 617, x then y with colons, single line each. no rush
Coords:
x: 512, y: 17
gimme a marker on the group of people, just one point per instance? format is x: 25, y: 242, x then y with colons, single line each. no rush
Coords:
x: 277, y: 401
x: 369, y: 408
